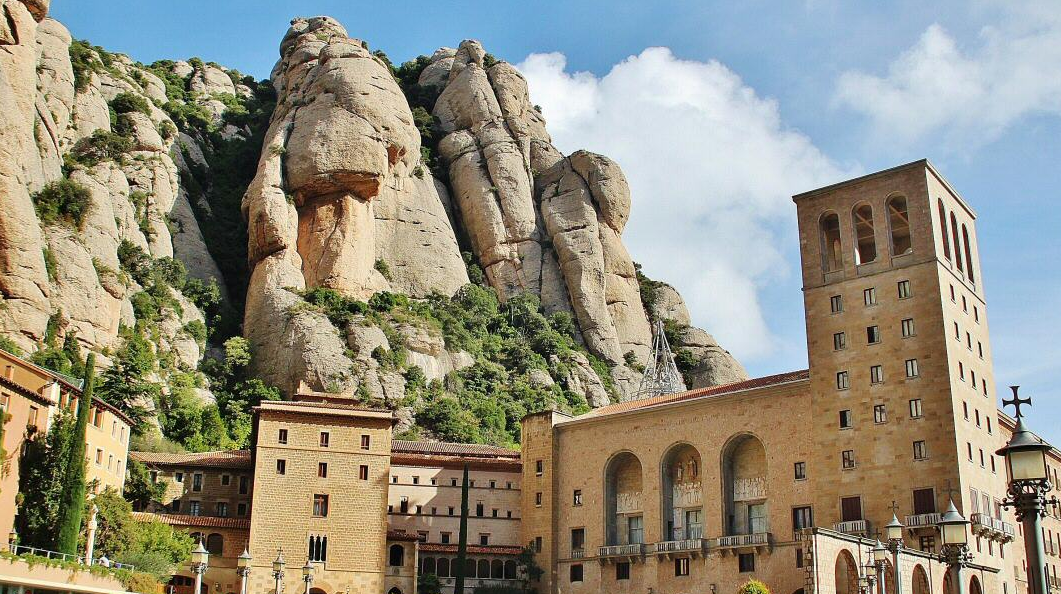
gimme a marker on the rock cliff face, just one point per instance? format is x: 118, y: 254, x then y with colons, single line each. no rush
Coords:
x: 367, y: 181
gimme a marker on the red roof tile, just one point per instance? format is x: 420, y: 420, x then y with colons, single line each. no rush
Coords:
x: 194, y: 521
x: 451, y: 449
x: 220, y: 459
x: 712, y: 391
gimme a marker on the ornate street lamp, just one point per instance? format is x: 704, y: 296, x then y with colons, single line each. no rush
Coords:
x: 278, y: 570
x: 243, y: 569
x: 200, y: 561
x: 880, y: 557
x: 307, y: 575
x: 868, y: 579
x: 1029, y: 482
x: 955, y: 532
x: 893, y: 531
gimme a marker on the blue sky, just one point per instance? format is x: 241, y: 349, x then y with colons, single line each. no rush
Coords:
x: 720, y: 111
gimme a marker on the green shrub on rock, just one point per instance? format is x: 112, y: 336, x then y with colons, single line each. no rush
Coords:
x: 62, y: 201
x: 102, y: 145
x: 130, y: 102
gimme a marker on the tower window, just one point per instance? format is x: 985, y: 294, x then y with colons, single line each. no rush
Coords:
x: 880, y: 414
x: 943, y: 228
x: 576, y: 572
x: 915, y: 409
x: 912, y: 369
x: 800, y: 469
x: 869, y: 296
x: 968, y: 255
x: 681, y: 566
x: 842, y: 381
x: 839, y: 341
x: 899, y: 221
x: 908, y: 327
x: 904, y: 289
x: 954, y: 237
x: 866, y: 245
x: 281, y: 467
x: 847, y: 458
x: 832, y: 251
x: 836, y: 303
x: 577, y: 498
x: 920, y: 451
x: 845, y: 419
x: 873, y: 334
x: 876, y: 374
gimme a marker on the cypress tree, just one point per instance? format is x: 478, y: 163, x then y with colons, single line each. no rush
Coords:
x: 72, y: 503
x: 462, y: 539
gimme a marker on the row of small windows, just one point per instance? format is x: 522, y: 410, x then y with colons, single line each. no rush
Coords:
x: 865, y: 238
x: 482, y: 569
x: 493, y: 484
x: 682, y: 565
x: 966, y: 266
x: 847, y: 457
x: 197, y: 481
x: 876, y: 374
x: 480, y: 509
x: 195, y: 508
x: 983, y: 458
x: 873, y: 334
x: 324, y: 439
x: 322, y: 469
x: 869, y: 296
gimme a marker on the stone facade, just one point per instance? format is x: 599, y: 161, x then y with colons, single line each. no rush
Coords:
x: 33, y: 396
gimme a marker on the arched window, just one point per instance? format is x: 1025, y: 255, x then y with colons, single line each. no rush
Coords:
x: 394, y: 590
x: 215, y: 543
x: 442, y: 569
x: 623, y: 511
x: 968, y: 254
x: 957, y: 246
x: 899, y: 221
x: 469, y: 567
x: 744, y: 477
x: 920, y: 577
x: 397, y: 555
x: 865, y: 242
x: 832, y: 250
x: 484, y: 568
x: 510, y: 570
x: 943, y: 228
x: 427, y: 565
x: 497, y: 569
x: 682, y: 494
x: 974, y: 583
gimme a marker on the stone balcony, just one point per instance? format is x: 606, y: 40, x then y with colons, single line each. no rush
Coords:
x: 578, y: 553
x: 741, y: 542
x: 992, y: 528
x: 855, y: 527
x: 620, y: 553
x: 693, y: 547
x: 928, y: 520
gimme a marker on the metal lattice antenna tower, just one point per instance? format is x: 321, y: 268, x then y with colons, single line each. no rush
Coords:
x: 661, y: 375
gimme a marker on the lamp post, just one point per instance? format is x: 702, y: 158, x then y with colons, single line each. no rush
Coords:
x: 307, y: 575
x: 278, y: 570
x: 955, y: 530
x: 893, y: 531
x: 1029, y: 482
x: 868, y: 579
x: 90, y: 536
x: 880, y: 557
x: 200, y: 560
x: 243, y: 569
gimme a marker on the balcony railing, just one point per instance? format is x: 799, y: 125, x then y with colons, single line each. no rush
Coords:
x: 1049, y: 548
x: 757, y: 539
x: 1053, y: 582
x: 993, y: 528
x: 626, y: 550
x: 21, y: 550
x: 922, y: 520
x: 853, y: 527
x: 578, y: 553
x: 688, y: 545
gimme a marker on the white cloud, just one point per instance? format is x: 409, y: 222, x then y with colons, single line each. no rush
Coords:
x: 964, y: 98
x: 711, y: 167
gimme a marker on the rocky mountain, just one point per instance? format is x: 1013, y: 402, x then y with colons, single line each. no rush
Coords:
x: 406, y: 236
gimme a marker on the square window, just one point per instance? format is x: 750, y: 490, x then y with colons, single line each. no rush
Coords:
x: 539, y: 467
x: 493, y: 484
x: 416, y: 480
x: 869, y: 296
x: 836, y: 303
x: 848, y: 459
x: 928, y: 544
x: 908, y: 327
x: 577, y: 498
x: 362, y: 472
x: 241, y: 509
x: 222, y: 509
x: 444, y: 537
x: 839, y: 341
x: 178, y: 476
x: 876, y: 374
x: 842, y: 380
x: 451, y: 510
x: 681, y: 566
x: 880, y: 414
x: 366, y: 442
x: 320, y: 506
x: 746, y: 562
x: 872, y: 334
x: 904, y: 289
x: 325, y: 439
x: 802, y: 517
x: 578, y: 539
x: 920, y: 451
x: 622, y: 571
x: 281, y: 436
x: 800, y: 470
x: 576, y: 572
x: 281, y: 467
x: 845, y: 419
x: 226, y: 480
x: 322, y: 469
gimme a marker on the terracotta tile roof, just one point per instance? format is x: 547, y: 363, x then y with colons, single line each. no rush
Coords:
x: 432, y: 547
x: 402, y: 535
x: 338, y: 402
x: 220, y: 459
x: 194, y: 521
x: 713, y: 391
x: 451, y: 449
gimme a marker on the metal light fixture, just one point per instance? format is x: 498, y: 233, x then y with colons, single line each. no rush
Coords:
x: 880, y: 553
x: 954, y: 526
x: 243, y: 569
x: 278, y: 571
x: 244, y: 560
x: 893, y: 531
x: 307, y: 574
x: 200, y: 561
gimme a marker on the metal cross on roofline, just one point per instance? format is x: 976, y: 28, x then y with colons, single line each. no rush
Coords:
x: 950, y: 491
x: 895, y: 508
x: 1016, y: 402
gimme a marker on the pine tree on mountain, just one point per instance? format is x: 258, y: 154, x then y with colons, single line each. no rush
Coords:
x: 72, y: 503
